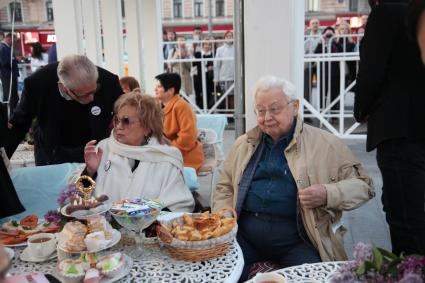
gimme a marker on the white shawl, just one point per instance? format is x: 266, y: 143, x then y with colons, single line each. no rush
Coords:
x: 159, y: 174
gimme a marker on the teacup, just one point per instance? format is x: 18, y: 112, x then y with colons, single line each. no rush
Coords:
x: 41, y: 245
x: 268, y: 278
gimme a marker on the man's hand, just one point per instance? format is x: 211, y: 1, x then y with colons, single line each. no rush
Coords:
x: 92, y: 157
x: 313, y: 196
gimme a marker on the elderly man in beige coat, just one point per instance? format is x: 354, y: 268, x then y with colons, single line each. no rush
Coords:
x: 289, y: 183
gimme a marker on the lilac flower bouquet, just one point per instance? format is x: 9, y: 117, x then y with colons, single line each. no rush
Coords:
x: 54, y: 216
x: 374, y: 264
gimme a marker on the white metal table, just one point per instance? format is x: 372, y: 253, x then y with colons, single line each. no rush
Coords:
x: 153, y: 264
x: 310, y: 273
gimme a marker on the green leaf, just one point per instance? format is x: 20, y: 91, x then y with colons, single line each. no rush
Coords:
x: 14, y: 223
x: 377, y: 258
x: 387, y: 254
x: 361, y: 269
x: 369, y: 266
x: 392, y: 267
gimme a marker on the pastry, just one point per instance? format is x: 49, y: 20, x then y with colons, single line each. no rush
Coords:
x: 98, y: 223
x: 202, y: 226
x: 96, y: 241
x: 78, y: 203
x: 72, y: 236
x: 72, y: 270
x: 111, y: 265
x: 92, y: 276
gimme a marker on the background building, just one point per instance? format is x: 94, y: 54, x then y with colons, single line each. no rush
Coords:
x: 328, y: 11
x: 183, y: 15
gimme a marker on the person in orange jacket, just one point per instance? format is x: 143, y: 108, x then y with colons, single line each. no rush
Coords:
x: 179, y: 120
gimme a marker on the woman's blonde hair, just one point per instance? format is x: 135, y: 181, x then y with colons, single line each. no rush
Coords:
x: 148, y: 109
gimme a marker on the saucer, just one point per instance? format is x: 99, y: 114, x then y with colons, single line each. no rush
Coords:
x: 25, y: 256
x: 10, y: 253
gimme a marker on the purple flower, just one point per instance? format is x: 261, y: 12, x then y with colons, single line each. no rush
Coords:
x: 345, y: 273
x: 343, y: 278
x: 411, y: 264
x: 67, y: 193
x: 362, y: 252
x: 377, y: 278
x: 52, y: 216
x: 411, y: 278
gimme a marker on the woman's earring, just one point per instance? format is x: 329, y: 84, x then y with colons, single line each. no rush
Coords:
x: 147, y: 139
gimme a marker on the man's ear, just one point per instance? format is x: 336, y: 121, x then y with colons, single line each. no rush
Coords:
x: 296, y: 105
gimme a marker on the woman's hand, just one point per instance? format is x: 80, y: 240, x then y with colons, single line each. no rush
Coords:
x: 92, y: 157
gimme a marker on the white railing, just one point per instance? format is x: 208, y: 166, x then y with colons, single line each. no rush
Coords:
x: 222, y: 98
x: 329, y: 82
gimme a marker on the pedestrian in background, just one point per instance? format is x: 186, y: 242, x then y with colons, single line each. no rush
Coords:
x: 39, y: 58
x: 9, y: 72
x: 129, y: 84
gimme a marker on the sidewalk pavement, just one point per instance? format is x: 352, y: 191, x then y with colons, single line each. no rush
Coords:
x: 366, y: 224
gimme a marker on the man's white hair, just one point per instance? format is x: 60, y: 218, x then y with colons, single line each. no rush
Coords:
x: 77, y: 71
x: 267, y: 83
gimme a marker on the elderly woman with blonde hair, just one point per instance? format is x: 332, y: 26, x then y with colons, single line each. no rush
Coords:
x: 134, y: 161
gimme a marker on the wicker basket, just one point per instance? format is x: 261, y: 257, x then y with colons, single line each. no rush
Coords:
x: 200, y: 250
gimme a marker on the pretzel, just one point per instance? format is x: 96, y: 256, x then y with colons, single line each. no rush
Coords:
x: 203, y: 226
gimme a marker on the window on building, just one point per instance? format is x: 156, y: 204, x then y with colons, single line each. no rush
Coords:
x: 354, y: 5
x: 312, y: 5
x: 49, y: 11
x: 219, y: 8
x: 198, y: 8
x: 177, y: 8
x: 15, y: 8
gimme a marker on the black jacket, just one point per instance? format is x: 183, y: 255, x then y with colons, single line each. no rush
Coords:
x: 10, y: 203
x: 390, y: 92
x: 41, y: 99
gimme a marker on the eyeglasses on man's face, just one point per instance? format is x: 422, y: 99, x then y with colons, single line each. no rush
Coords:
x: 84, y: 95
x: 125, y: 121
x: 273, y: 110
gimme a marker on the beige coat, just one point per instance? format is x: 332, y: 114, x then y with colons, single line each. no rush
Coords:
x: 314, y: 157
x: 182, y: 68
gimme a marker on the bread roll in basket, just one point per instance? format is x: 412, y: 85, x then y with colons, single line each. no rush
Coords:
x: 199, y: 236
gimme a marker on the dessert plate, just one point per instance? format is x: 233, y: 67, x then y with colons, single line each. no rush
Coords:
x: 25, y: 256
x: 128, y: 264
x: 84, y: 214
x: 116, y: 237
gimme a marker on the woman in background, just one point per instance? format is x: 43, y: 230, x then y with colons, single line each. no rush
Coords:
x: 129, y: 84
x: 38, y: 57
x: 179, y: 120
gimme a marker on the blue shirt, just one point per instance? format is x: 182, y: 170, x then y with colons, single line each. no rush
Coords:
x: 273, y: 189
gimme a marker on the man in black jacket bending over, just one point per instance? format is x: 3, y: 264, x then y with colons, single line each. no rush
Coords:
x: 390, y: 97
x: 72, y: 101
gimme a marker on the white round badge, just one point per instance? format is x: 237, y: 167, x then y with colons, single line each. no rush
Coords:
x: 95, y: 110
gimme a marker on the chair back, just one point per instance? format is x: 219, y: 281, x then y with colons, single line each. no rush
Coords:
x: 216, y: 122
x: 39, y: 187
